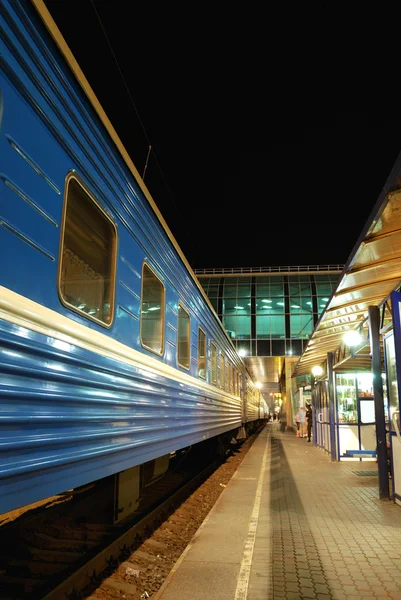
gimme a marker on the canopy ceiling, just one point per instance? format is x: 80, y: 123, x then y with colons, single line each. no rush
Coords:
x: 372, y: 272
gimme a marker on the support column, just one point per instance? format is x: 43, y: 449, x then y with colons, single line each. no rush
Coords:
x: 374, y: 336
x: 332, y: 408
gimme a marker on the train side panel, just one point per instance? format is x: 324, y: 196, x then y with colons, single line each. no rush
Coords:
x: 81, y: 399
x: 70, y: 415
x: 253, y: 410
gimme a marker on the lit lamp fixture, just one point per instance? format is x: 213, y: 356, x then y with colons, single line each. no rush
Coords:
x: 317, y: 371
x: 258, y: 385
x: 352, y: 338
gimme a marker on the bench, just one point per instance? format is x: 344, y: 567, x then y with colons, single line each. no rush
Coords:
x: 360, y: 453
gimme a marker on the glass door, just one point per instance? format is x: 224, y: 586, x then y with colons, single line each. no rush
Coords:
x: 393, y: 414
x: 322, y: 417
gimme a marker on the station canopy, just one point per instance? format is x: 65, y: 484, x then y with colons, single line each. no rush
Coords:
x: 371, y: 273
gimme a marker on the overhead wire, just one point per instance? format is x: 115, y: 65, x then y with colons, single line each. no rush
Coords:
x: 150, y: 150
x: 125, y: 84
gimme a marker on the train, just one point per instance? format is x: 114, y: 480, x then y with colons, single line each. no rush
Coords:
x: 112, y: 358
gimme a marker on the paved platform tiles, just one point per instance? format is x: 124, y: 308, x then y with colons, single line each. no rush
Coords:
x: 321, y: 531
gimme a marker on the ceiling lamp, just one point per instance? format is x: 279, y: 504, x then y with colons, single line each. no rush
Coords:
x: 352, y: 338
x: 317, y: 371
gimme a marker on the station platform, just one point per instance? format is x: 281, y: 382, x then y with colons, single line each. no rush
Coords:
x: 293, y: 524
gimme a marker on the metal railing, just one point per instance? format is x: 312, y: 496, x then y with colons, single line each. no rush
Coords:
x: 282, y: 269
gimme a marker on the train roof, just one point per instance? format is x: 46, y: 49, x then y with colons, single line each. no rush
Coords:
x: 62, y: 44
x: 58, y: 38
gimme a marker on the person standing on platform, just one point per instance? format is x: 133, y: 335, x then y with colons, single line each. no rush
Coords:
x: 298, y: 421
x: 309, y: 419
x: 302, y: 422
x: 283, y: 420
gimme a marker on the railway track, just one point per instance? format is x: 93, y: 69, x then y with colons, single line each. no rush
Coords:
x: 70, y: 552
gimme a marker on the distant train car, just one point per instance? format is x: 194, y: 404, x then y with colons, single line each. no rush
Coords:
x: 111, y: 355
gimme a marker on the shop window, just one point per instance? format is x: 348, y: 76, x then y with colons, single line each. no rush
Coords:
x: 346, y: 399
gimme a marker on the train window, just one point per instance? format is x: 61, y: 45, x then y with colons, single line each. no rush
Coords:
x: 214, y: 364
x: 87, y: 266
x: 222, y: 370
x: 152, y: 311
x: 201, y: 353
x: 183, y: 337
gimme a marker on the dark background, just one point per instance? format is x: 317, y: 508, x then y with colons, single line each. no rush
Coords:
x: 261, y: 155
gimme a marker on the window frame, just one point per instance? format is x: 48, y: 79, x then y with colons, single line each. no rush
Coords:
x: 200, y: 330
x: 213, y: 375
x: 113, y: 259
x: 186, y: 366
x: 222, y: 367
x: 163, y: 311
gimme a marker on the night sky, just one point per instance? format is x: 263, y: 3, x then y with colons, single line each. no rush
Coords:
x: 246, y: 170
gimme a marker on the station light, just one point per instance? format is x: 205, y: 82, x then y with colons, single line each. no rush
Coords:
x: 352, y: 338
x: 317, y: 371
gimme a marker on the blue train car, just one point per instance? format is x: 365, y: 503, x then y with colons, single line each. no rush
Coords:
x: 110, y: 354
